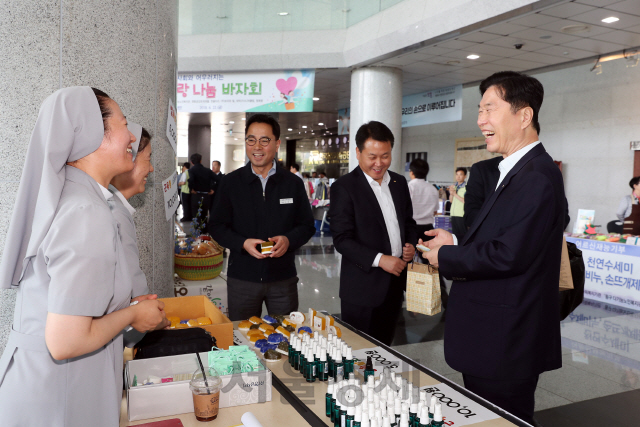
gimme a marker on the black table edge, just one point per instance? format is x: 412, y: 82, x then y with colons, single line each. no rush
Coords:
x: 296, y: 403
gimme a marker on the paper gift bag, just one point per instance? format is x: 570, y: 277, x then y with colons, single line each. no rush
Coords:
x: 566, y: 279
x: 423, y: 289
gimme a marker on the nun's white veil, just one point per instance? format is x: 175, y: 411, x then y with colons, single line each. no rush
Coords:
x: 69, y: 127
x: 136, y: 130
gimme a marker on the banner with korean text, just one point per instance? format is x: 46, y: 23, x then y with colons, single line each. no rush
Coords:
x: 435, y: 106
x: 272, y: 91
x: 612, y: 272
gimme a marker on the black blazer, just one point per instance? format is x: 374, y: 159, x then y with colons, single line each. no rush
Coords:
x: 503, y: 320
x: 359, y: 234
x: 483, y: 178
x: 242, y: 211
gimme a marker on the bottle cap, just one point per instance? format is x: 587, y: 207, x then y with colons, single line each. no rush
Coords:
x: 344, y: 348
x: 338, y: 355
x: 365, y: 422
x: 385, y: 422
x: 423, y: 395
x: 397, y: 405
x: 404, y: 417
x: 370, y: 381
x: 373, y: 423
x: 376, y: 399
x: 365, y: 390
x: 424, y: 415
x: 323, y: 356
x: 413, y: 408
x: 437, y: 415
x: 351, y: 410
x: 330, y: 336
x: 372, y: 410
x: 432, y: 404
x: 352, y: 381
x: 405, y: 407
x: 349, y: 353
x: 370, y: 394
x: 352, y: 375
x: 358, y: 415
x: 330, y: 386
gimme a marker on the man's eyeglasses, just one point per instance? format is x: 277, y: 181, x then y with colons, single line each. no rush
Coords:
x: 263, y: 141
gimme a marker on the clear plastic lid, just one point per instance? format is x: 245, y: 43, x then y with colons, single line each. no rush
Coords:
x: 213, y: 383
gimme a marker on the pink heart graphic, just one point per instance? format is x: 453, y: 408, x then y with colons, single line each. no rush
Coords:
x: 286, y: 86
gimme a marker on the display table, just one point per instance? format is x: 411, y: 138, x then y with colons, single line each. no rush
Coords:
x: 296, y: 402
x: 612, y: 272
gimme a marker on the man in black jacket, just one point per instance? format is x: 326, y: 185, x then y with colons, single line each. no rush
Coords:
x: 373, y: 228
x: 481, y: 184
x: 255, y: 204
x: 201, y: 181
x: 503, y: 323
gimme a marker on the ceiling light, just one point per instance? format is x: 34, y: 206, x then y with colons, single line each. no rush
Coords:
x: 289, y: 129
x: 338, y: 121
x: 454, y: 62
x: 232, y: 122
x: 316, y: 98
x: 244, y: 118
x: 283, y: 13
x: 320, y: 124
x: 473, y: 56
x: 304, y: 127
x: 610, y: 20
x: 575, y: 29
x: 235, y: 139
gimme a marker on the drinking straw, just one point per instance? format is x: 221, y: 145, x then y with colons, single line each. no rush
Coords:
x: 203, y: 374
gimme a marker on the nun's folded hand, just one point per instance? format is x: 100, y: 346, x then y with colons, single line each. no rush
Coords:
x: 149, y: 315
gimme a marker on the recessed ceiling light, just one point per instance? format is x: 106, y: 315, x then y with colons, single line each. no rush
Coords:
x: 473, y: 56
x: 320, y: 124
x: 235, y: 139
x: 454, y: 62
x: 338, y: 121
x: 575, y: 29
x: 316, y: 99
x: 289, y: 129
x: 244, y: 118
x: 232, y: 122
x: 610, y: 20
x: 304, y: 127
x: 283, y: 13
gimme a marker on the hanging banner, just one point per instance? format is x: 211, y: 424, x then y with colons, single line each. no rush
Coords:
x: 272, y: 91
x: 435, y: 106
x: 611, y: 272
x: 172, y: 134
x: 170, y: 190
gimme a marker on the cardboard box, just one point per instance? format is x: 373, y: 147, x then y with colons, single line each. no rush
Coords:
x: 160, y: 400
x: 201, y: 306
x: 214, y: 289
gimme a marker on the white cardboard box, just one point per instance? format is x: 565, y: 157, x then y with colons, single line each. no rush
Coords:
x: 160, y: 400
x: 215, y: 289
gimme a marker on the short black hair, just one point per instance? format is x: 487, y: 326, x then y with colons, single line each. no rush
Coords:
x: 519, y: 90
x: 420, y: 168
x: 196, y: 158
x: 264, y: 118
x: 634, y: 181
x: 105, y: 111
x: 374, y: 130
x: 186, y: 165
x: 306, y: 175
x: 296, y: 166
x: 218, y: 162
x: 464, y: 170
x: 145, y: 139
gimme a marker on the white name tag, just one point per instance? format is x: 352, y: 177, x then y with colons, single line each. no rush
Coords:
x: 286, y: 201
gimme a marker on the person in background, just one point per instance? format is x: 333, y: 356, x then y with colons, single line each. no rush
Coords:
x: 62, y: 365
x: 373, y: 228
x: 308, y: 186
x: 255, y: 204
x: 503, y: 323
x: 217, y: 177
x: 295, y: 169
x: 424, y: 197
x: 314, y: 174
x: 456, y: 198
x: 627, y: 202
x: 483, y: 177
x: 201, y: 182
x: 185, y: 194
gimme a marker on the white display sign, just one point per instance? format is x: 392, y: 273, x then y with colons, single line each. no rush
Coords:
x: 172, y: 133
x: 612, y: 272
x: 240, y: 339
x: 170, y: 189
x: 435, y: 106
x: 268, y: 91
x: 381, y: 359
x: 457, y: 409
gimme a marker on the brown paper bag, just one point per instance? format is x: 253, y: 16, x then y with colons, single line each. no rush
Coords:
x: 423, y: 289
x: 566, y: 279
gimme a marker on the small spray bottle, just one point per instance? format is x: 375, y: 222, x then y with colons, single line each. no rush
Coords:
x: 338, y: 365
x: 368, y: 370
x: 351, y: 415
x: 397, y: 409
x: 348, y: 362
x: 437, y: 416
x: 327, y: 397
x: 311, y: 367
x: 343, y: 408
x: 323, y: 371
x: 424, y: 417
x: 357, y: 418
x: 413, y: 413
x: 404, y: 420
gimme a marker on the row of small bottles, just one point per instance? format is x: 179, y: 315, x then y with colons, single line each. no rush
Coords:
x: 391, y: 401
x: 319, y: 357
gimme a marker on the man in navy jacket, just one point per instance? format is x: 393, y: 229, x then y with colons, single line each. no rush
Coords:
x: 503, y: 326
x: 256, y: 204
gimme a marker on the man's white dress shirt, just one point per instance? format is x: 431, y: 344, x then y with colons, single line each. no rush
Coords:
x: 383, y: 195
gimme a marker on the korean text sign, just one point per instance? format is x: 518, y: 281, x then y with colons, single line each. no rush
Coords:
x: 435, y: 106
x: 170, y: 190
x: 272, y: 91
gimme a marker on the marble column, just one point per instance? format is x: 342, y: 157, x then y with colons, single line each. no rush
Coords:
x: 127, y: 49
x: 200, y: 142
x: 376, y: 94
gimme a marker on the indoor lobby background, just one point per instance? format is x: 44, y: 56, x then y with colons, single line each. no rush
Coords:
x: 367, y: 56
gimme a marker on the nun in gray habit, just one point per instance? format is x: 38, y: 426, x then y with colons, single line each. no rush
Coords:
x: 63, y: 362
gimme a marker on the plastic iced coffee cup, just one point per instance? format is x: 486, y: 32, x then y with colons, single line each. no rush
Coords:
x: 206, y: 399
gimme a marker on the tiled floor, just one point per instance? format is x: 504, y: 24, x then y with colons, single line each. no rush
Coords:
x: 601, y: 348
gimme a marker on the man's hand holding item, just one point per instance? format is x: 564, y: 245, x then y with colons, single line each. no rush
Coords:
x: 280, y: 247
x: 408, y: 251
x: 250, y: 246
x: 441, y: 238
x: 392, y: 265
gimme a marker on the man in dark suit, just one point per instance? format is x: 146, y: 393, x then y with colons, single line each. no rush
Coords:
x: 503, y: 326
x: 373, y: 228
x: 483, y: 177
x: 200, y: 181
x: 217, y: 177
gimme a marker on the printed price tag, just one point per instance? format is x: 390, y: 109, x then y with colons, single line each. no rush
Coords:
x: 170, y: 190
x: 457, y: 409
x: 381, y: 359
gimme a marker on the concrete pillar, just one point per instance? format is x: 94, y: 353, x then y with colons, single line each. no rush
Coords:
x: 127, y: 49
x: 200, y: 142
x: 376, y: 94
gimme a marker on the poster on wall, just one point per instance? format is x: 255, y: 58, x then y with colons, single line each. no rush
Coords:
x: 271, y: 91
x: 170, y: 190
x: 434, y: 106
x: 344, y: 117
x: 172, y: 133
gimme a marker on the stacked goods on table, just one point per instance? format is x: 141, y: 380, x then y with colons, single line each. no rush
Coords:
x: 389, y: 400
x: 611, y: 237
x: 198, y: 259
